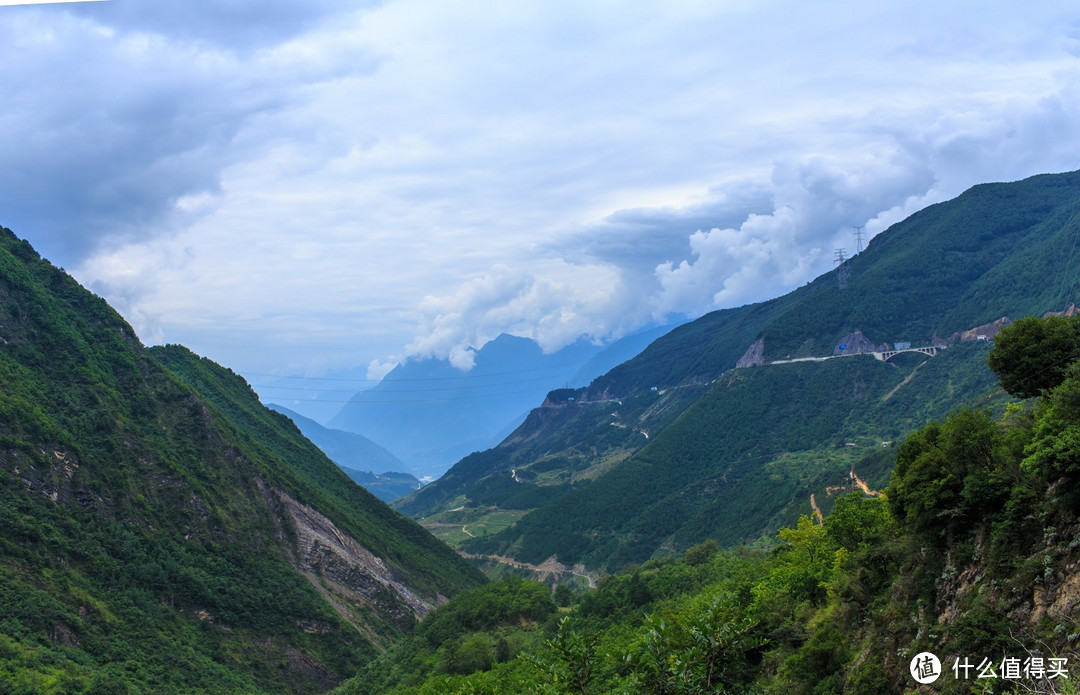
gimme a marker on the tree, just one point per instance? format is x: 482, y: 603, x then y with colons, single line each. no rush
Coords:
x: 701, y: 553
x: 1055, y: 449
x: 949, y: 474
x: 569, y: 663
x: 865, y: 532
x: 563, y: 596
x: 1032, y: 355
x: 801, y: 569
x: 858, y: 521
x: 472, y: 653
x: 704, y: 652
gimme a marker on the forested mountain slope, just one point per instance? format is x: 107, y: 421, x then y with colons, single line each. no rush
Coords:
x: 971, y: 554
x: 163, y: 532
x: 745, y: 457
x: 676, y: 445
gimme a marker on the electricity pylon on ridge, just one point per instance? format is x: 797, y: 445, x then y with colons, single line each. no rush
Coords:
x: 843, y: 273
x: 858, y: 235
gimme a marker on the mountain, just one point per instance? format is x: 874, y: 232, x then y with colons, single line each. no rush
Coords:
x: 316, y: 398
x: 678, y: 445
x: 972, y: 550
x: 162, y: 531
x: 346, y: 449
x: 358, y: 456
x: 998, y: 249
x: 430, y: 414
x: 618, y: 352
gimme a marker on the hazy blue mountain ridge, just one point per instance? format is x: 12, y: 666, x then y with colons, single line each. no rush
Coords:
x: 430, y: 414
x: 346, y: 449
x: 358, y: 456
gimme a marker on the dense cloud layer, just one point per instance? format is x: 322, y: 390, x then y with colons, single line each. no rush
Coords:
x: 299, y: 187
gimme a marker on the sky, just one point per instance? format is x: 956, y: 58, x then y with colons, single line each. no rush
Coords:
x: 327, y: 188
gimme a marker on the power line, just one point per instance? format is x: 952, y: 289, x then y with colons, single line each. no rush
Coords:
x: 433, y: 378
x: 418, y: 390
x: 414, y: 400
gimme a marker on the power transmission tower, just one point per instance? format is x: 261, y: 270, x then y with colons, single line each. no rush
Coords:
x: 858, y: 234
x: 843, y: 273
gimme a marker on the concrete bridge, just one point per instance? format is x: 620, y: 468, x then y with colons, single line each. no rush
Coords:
x: 889, y: 354
x: 881, y: 356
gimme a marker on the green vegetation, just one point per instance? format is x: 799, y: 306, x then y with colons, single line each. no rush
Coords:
x: 750, y: 451
x: 559, y: 447
x: 457, y: 525
x: 358, y: 456
x: 160, y: 531
x: 676, y: 446
x: 1034, y: 354
x: 305, y: 475
x: 970, y: 554
x: 516, y: 640
x: 145, y: 544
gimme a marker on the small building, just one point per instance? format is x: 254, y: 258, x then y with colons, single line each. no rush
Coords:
x: 902, y: 345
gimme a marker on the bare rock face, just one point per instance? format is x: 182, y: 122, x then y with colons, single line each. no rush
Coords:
x: 350, y: 576
x: 1058, y: 599
x: 754, y: 355
x: 985, y: 331
x: 854, y: 343
x: 1068, y: 313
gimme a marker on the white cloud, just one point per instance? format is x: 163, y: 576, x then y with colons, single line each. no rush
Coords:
x: 308, y: 185
x: 553, y: 302
x: 377, y: 370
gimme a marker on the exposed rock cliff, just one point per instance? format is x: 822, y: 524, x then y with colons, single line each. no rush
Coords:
x: 854, y: 343
x: 347, y: 573
x: 987, y: 330
x: 754, y: 355
x: 1071, y: 311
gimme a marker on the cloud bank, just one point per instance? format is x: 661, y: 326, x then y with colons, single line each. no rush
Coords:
x: 306, y: 188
